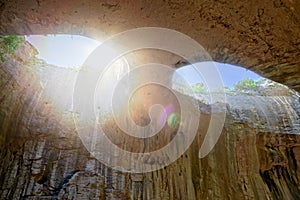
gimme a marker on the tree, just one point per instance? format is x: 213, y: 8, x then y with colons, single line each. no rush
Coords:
x: 199, y: 88
x: 9, y: 44
x: 246, y: 85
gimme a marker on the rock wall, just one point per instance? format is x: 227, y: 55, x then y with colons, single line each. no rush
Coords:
x: 42, y: 157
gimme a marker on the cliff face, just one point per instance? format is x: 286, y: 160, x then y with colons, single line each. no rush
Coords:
x: 42, y: 157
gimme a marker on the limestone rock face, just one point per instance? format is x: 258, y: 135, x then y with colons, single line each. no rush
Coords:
x: 259, y: 35
x: 42, y: 157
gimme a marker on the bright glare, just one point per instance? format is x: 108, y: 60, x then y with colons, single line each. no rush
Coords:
x: 63, y: 50
x: 73, y: 50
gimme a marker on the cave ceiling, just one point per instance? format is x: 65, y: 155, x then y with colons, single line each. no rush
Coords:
x: 260, y: 35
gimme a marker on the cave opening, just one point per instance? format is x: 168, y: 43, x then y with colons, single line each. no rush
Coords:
x: 235, y: 79
x: 63, y: 50
x: 69, y: 52
x: 60, y: 57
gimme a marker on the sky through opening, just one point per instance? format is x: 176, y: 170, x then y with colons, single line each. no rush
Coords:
x: 72, y: 50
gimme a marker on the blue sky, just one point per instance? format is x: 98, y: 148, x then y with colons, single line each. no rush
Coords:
x: 72, y: 50
x: 230, y: 74
x: 63, y: 50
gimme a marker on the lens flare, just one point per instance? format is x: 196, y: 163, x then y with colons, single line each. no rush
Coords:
x: 170, y: 116
x: 174, y: 120
x: 155, y: 107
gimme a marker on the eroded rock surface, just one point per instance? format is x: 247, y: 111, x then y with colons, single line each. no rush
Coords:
x: 42, y: 157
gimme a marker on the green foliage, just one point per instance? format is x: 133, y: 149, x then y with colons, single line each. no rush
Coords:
x: 199, y: 88
x: 246, y: 85
x: 9, y: 44
x: 222, y: 90
x: 181, y: 90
